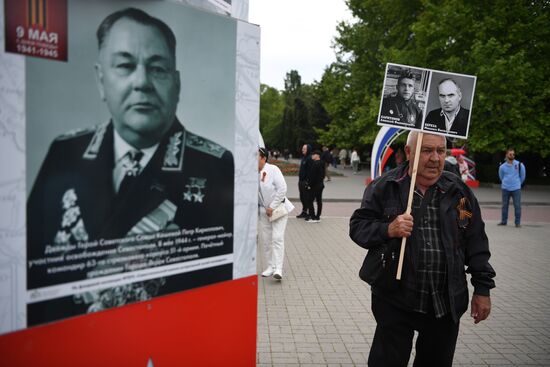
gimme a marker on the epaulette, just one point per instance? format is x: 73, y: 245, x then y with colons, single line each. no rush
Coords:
x: 204, y: 145
x: 76, y: 133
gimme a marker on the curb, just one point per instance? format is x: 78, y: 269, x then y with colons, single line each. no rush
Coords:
x: 482, y: 203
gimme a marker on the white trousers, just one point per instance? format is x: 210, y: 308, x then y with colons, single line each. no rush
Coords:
x: 272, y: 236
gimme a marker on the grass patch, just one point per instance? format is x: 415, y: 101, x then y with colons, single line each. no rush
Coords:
x: 292, y: 169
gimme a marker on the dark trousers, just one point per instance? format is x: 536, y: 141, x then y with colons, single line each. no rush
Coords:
x: 315, y: 194
x: 302, y: 188
x: 392, y: 344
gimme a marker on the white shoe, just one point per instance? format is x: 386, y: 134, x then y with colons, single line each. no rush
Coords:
x: 278, y: 275
x: 268, y: 272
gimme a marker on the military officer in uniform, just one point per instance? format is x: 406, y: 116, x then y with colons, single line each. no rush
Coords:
x: 141, y: 172
x: 402, y: 108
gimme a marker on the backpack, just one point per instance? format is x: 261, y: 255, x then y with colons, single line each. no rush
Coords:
x: 521, y: 165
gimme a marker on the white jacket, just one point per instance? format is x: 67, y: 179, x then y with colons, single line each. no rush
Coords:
x: 273, y: 188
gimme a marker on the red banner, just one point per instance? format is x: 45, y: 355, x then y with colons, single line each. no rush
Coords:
x: 208, y: 326
x: 37, y: 28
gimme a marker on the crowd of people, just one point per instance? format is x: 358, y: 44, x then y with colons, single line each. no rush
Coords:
x: 334, y: 157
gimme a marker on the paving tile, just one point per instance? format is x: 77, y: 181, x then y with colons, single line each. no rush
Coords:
x: 319, y: 315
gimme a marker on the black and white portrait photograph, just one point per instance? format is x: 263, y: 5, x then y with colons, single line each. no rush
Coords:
x: 449, y: 104
x: 403, y: 97
x: 129, y: 161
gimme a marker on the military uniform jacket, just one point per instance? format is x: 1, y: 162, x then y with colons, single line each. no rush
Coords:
x: 188, y: 183
x: 408, y: 113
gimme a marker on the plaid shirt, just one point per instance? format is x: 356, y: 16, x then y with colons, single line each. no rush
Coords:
x: 432, y: 266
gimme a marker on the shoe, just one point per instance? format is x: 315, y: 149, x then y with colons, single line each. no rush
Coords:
x: 268, y: 272
x: 311, y: 220
x: 302, y: 215
x: 518, y: 225
x: 278, y: 275
x: 501, y: 224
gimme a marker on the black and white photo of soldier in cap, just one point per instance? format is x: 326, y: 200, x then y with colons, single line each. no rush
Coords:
x: 139, y: 173
x: 401, y: 108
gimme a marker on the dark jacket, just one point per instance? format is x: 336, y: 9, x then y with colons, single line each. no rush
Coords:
x: 463, y: 238
x: 326, y: 157
x: 453, y: 168
x: 316, y: 174
x: 305, y: 165
x: 401, y: 112
x: 435, y: 121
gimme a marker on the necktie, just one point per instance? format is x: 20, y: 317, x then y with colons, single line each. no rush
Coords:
x: 131, y: 169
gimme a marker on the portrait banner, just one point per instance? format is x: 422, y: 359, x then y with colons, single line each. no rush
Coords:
x: 427, y: 100
x: 137, y: 158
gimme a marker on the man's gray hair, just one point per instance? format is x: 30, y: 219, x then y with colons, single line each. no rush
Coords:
x: 412, y: 138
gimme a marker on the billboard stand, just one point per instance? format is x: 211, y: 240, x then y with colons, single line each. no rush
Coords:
x: 96, y: 273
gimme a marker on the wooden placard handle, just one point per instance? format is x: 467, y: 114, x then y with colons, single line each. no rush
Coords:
x: 409, y: 202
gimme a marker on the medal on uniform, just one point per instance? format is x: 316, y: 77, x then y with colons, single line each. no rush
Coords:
x: 72, y: 224
x: 157, y: 220
x: 194, y: 188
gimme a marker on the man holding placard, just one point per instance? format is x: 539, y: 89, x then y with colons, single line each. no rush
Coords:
x: 445, y: 233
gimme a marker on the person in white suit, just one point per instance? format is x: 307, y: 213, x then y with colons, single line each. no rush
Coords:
x: 272, y: 192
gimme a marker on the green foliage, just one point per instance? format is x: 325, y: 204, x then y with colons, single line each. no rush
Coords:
x: 271, y: 114
x: 505, y: 43
x: 291, y: 118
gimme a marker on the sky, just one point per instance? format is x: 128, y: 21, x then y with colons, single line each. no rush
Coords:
x: 296, y: 35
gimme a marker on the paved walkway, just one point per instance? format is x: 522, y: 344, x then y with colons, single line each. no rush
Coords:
x: 319, y: 314
x: 350, y: 187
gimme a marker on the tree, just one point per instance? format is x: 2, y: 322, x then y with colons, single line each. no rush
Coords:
x: 303, y: 113
x: 271, y: 115
x: 506, y: 44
